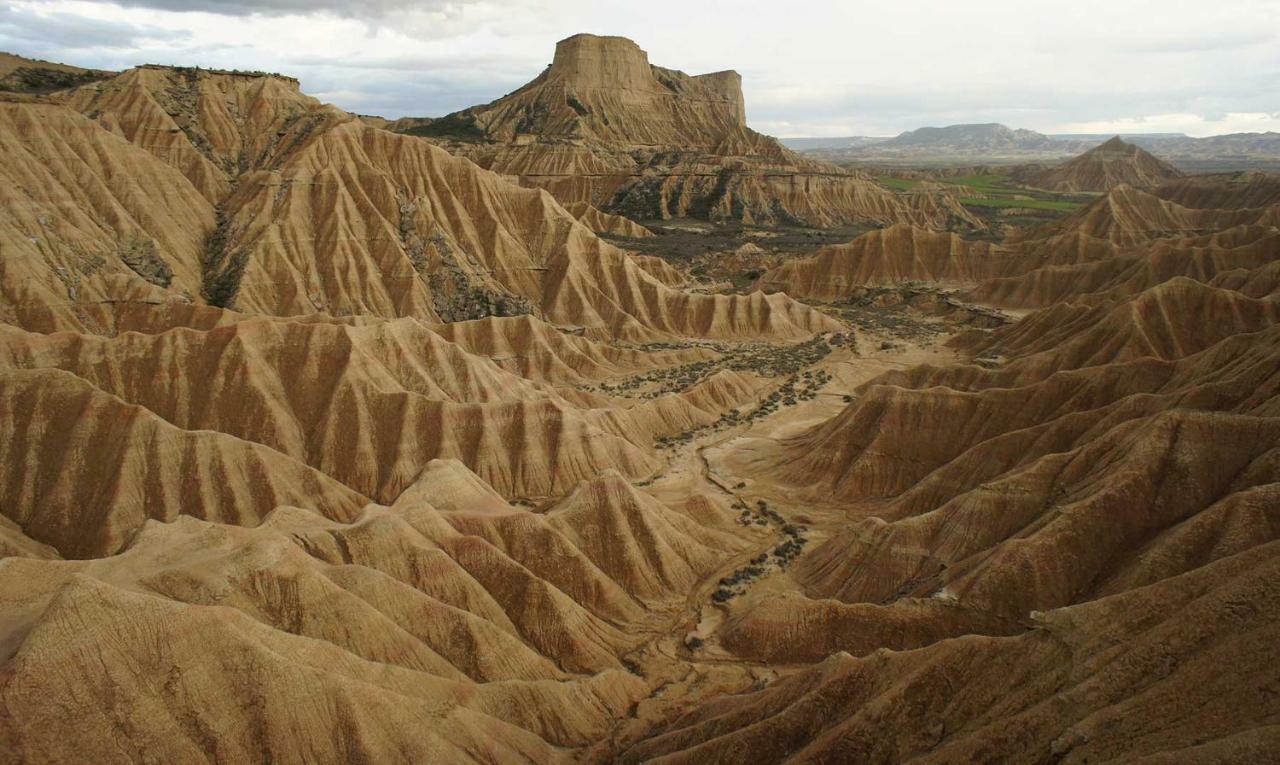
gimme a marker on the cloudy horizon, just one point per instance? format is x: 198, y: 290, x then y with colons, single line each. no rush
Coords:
x: 823, y: 69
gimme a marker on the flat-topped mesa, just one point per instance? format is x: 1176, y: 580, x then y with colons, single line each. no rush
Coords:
x: 588, y: 61
x: 603, y: 89
x: 601, y: 126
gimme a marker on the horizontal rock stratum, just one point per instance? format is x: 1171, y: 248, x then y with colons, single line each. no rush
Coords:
x: 601, y: 125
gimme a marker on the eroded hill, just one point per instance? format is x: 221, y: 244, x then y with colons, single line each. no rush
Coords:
x: 602, y: 126
x: 1105, y: 167
x: 321, y: 443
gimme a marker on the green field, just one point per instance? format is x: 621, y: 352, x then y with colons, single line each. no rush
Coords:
x: 897, y: 184
x: 996, y: 191
x: 1060, y: 205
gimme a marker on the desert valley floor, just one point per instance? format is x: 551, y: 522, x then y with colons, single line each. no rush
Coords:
x: 509, y: 437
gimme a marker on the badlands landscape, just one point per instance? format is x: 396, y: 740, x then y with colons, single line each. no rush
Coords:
x: 591, y: 425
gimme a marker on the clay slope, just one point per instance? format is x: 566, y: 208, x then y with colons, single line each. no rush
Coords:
x: 1132, y: 240
x: 1174, y: 319
x: 1144, y: 676
x: 1115, y: 443
x: 369, y: 406
x: 881, y: 444
x: 603, y: 126
x: 263, y: 200
x: 1240, y: 252
x: 475, y: 620
x: 887, y: 256
x: 91, y: 220
x: 83, y: 470
x: 650, y: 550
x: 1128, y: 217
x: 1102, y: 168
x: 605, y: 223
x: 536, y: 350
x: 452, y: 657
x: 1247, y: 190
x: 1126, y: 242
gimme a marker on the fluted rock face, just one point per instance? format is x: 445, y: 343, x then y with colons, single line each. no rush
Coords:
x: 236, y: 191
x: 603, y: 126
x: 893, y: 255
x: 595, y: 62
x: 1125, y: 242
x: 1107, y: 477
x: 320, y: 444
x: 604, y: 88
x: 606, y: 223
x: 1136, y: 676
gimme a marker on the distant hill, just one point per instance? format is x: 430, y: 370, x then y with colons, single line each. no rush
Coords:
x: 1137, y: 138
x: 996, y: 144
x: 989, y: 136
x: 1105, y: 167
x: 1234, y: 151
x: 988, y: 143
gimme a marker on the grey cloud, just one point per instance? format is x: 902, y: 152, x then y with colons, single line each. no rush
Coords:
x: 442, y: 55
x: 24, y: 29
x: 430, y: 94
x: 358, y: 9
x: 471, y: 66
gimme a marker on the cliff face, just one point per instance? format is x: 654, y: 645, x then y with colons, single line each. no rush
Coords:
x: 604, y: 88
x: 603, y: 126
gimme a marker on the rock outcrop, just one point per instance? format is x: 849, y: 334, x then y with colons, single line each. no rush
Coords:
x: 603, y: 126
x: 237, y: 191
x: 319, y: 443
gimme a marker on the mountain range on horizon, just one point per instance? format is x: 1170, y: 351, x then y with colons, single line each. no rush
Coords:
x: 994, y: 143
x: 958, y: 144
x: 971, y: 131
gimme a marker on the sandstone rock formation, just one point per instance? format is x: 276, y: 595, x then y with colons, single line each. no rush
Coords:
x: 1114, y: 449
x: 603, y: 126
x: 263, y: 200
x: 1125, y: 242
x: 891, y: 255
x: 321, y: 444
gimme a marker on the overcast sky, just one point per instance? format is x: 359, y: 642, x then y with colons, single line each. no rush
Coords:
x: 844, y: 67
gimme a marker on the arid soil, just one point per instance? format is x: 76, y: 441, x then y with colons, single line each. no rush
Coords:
x: 320, y: 443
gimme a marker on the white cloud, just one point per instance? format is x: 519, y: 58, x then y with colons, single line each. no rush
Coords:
x: 1191, y: 124
x: 862, y: 66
